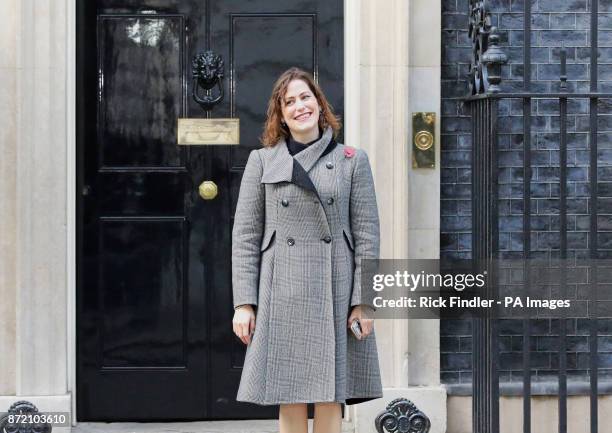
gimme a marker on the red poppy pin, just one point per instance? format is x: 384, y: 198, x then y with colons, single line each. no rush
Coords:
x: 349, y: 151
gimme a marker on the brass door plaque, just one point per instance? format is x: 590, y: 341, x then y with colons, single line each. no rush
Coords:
x: 208, y: 131
x: 423, y: 140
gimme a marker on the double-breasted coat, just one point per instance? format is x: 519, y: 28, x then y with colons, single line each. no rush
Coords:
x: 302, y: 226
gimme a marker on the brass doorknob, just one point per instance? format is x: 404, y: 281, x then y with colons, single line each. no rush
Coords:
x: 208, y: 190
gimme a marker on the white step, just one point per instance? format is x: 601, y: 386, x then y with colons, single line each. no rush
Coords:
x: 242, y: 426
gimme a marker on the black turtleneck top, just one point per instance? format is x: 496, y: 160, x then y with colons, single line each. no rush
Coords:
x: 296, y: 147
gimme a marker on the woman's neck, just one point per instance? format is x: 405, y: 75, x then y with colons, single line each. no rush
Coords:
x: 306, y: 136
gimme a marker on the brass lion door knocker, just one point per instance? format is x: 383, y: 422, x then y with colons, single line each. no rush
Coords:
x: 207, y: 71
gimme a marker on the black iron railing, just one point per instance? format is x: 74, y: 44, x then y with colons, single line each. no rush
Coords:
x: 486, y: 94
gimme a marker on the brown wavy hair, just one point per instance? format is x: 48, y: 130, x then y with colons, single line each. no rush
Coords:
x: 273, y: 129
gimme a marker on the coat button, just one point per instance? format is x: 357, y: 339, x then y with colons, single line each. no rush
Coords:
x: 330, y: 200
x: 285, y: 202
x: 329, y: 165
x: 327, y: 239
x: 290, y: 241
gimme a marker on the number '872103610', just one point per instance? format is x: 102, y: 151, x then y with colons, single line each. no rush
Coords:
x: 55, y: 419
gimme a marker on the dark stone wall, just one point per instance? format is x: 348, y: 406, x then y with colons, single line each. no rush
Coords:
x: 554, y: 23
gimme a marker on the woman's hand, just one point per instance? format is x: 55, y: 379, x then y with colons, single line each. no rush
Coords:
x: 244, y: 323
x: 364, y: 315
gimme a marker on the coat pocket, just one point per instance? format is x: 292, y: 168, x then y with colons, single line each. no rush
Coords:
x: 349, y: 238
x: 267, y: 240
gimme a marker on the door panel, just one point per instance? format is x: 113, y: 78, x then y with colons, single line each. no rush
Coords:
x: 256, y: 67
x: 140, y: 85
x: 143, y: 313
x: 154, y: 299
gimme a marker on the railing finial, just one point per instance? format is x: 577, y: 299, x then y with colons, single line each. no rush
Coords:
x: 493, y: 59
x: 487, y: 57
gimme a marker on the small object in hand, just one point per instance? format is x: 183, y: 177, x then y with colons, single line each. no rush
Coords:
x: 356, y: 328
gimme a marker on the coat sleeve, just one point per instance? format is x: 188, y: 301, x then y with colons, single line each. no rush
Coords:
x: 247, y: 233
x: 363, y: 213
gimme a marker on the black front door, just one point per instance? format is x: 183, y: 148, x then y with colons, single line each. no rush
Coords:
x: 154, y: 298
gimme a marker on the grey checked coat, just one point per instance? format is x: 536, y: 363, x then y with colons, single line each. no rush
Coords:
x: 296, y: 254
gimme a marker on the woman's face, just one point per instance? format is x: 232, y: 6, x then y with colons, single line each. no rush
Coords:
x: 300, y: 109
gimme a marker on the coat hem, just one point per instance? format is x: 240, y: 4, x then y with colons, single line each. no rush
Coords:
x: 276, y: 403
x: 348, y: 401
x: 357, y: 400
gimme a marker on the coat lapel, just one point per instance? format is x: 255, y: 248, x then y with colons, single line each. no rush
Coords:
x: 279, y: 167
x: 309, y: 156
x: 282, y: 167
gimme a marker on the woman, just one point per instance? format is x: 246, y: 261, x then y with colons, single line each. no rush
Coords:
x: 306, y: 216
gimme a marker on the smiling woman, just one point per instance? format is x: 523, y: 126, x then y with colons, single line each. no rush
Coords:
x: 301, y: 112
x: 306, y: 217
x: 296, y: 95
